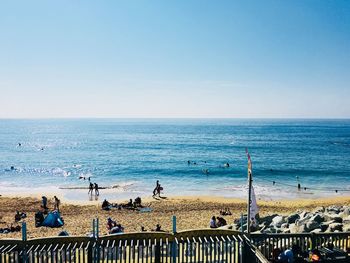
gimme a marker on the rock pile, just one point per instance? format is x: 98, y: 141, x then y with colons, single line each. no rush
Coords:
x: 321, y: 219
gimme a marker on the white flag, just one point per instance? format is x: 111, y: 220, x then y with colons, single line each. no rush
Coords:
x: 254, y: 210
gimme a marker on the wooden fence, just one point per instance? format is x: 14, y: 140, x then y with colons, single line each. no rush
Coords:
x: 187, y: 246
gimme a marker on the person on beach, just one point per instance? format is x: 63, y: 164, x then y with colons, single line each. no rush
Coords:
x: 110, y: 224
x: 96, y: 189
x: 91, y: 188
x: 157, y: 189
x: 56, y: 204
x: 44, y: 201
x: 212, y: 223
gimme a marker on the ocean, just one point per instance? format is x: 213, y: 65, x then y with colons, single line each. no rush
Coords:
x: 129, y: 155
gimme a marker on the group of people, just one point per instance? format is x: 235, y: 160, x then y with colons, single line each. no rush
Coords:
x: 10, y: 229
x: 216, y: 222
x: 129, y: 205
x: 56, y: 204
x: 92, y: 187
x: 225, y: 212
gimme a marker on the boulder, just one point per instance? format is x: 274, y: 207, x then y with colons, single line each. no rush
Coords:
x: 317, y: 230
x: 284, y: 225
x: 291, y: 219
x: 333, y: 209
x: 346, y: 228
x: 277, y: 221
x: 303, y: 214
x: 333, y: 217
x: 311, y: 225
x: 319, y: 209
x: 335, y: 226
x: 318, y: 218
x: 267, y: 220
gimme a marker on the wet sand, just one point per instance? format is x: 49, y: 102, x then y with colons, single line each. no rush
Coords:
x: 191, y: 212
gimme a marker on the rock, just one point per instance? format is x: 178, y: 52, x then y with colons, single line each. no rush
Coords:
x: 324, y: 226
x: 333, y: 209
x: 267, y: 220
x: 311, y: 225
x: 317, y: 230
x: 319, y: 209
x: 284, y: 225
x: 286, y: 231
x: 333, y: 217
x: 335, y: 226
x: 303, y: 214
x: 293, y: 228
x: 346, y: 228
x: 317, y: 218
x: 346, y: 211
x: 346, y: 220
x: 277, y: 221
x: 291, y: 219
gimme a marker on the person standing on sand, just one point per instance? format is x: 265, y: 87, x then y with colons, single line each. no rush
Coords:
x: 91, y: 188
x: 44, y: 200
x: 96, y: 189
x: 56, y: 204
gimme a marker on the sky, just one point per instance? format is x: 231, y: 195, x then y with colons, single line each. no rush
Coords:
x: 175, y: 59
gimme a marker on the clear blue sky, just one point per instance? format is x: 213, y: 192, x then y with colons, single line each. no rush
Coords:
x: 181, y: 58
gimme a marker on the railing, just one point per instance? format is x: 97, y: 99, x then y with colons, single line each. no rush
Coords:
x: 266, y: 243
x: 188, y: 246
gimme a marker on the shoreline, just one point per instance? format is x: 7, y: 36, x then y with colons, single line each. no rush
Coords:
x: 192, y: 212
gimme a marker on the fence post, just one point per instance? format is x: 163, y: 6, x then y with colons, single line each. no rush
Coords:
x: 24, y: 239
x: 173, y: 244
x: 174, y: 224
x: 90, y: 247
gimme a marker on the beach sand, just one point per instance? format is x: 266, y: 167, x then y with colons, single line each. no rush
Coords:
x: 191, y: 212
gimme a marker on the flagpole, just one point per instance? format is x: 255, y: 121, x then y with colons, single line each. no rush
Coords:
x: 249, y: 200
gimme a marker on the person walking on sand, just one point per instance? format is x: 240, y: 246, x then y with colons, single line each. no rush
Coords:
x: 56, y: 204
x: 96, y: 189
x: 157, y: 189
x: 91, y: 188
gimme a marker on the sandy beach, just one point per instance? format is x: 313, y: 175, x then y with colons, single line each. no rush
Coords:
x: 191, y: 212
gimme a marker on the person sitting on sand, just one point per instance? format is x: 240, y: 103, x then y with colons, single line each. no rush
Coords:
x: 110, y: 224
x: 19, y: 216
x: 221, y: 222
x: 159, y: 228
x: 106, y: 205
x: 212, y: 223
x: 137, y: 202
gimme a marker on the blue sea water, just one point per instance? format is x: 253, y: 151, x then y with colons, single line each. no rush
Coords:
x: 131, y: 154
